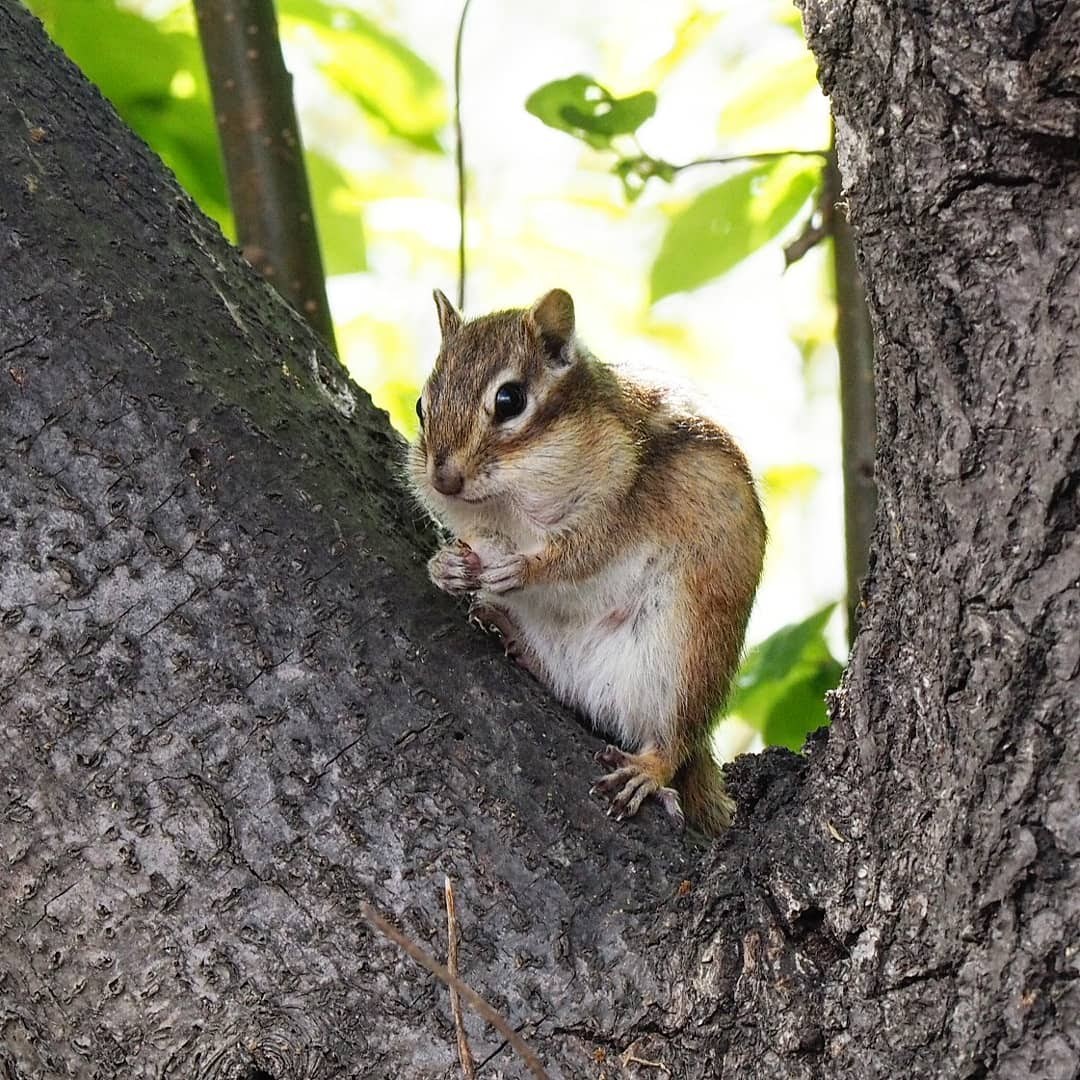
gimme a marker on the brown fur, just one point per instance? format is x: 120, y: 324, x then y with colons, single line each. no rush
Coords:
x: 631, y: 466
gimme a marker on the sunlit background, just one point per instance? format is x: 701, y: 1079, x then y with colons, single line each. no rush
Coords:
x: 374, y: 87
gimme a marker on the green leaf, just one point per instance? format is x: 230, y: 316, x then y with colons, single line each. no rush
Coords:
x: 588, y: 111
x: 781, y: 686
x: 775, y: 92
x: 782, y: 482
x: 338, y: 215
x: 772, y: 659
x: 152, y: 72
x: 800, y: 709
x: 726, y: 223
x: 126, y: 56
x: 377, y: 70
x: 636, y: 172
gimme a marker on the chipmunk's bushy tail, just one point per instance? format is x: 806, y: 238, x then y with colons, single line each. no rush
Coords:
x: 705, y: 801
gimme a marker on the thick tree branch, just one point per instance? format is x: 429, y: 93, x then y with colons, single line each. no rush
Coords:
x: 264, y: 157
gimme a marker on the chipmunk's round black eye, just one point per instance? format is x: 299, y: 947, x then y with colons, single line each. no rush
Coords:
x: 509, y: 401
x: 420, y: 410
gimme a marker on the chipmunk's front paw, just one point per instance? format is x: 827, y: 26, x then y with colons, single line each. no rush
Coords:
x: 503, y: 574
x: 500, y: 571
x: 634, y: 778
x: 455, y: 569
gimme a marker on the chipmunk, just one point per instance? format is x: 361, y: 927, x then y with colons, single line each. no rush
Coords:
x: 613, y: 538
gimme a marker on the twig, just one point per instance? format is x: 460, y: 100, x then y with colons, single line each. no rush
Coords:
x: 734, y: 159
x: 635, y: 172
x: 387, y: 929
x: 468, y: 1066
x: 629, y: 1059
x: 460, y: 156
x: 818, y: 226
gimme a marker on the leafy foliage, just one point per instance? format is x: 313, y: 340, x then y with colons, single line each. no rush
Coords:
x: 796, y: 480
x: 339, y: 216
x: 378, y: 71
x: 781, y: 686
x: 583, y: 108
x: 771, y: 94
x: 727, y: 222
x: 152, y: 71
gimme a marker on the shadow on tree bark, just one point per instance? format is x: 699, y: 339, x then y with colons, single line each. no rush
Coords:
x: 233, y: 709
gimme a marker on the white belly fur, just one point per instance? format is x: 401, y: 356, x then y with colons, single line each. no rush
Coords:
x: 611, y: 645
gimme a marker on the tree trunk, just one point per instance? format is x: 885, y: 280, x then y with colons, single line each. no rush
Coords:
x: 233, y: 709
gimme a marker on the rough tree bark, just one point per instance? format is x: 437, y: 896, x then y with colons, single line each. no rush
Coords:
x: 232, y: 708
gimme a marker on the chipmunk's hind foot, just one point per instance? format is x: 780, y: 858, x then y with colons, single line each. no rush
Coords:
x: 494, y: 618
x: 634, y: 778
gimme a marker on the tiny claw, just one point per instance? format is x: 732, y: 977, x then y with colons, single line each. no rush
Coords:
x: 668, y: 798
x: 612, y: 757
x: 633, y: 779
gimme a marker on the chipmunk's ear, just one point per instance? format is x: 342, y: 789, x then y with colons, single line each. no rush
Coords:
x: 449, y: 319
x: 551, y: 320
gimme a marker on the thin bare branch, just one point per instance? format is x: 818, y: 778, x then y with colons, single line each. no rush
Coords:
x: 387, y: 929
x: 630, y: 1059
x: 468, y: 1066
x: 459, y: 155
x: 637, y: 170
x: 735, y: 159
x: 817, y: 228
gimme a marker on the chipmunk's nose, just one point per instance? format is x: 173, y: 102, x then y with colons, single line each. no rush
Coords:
x: 447, y: 477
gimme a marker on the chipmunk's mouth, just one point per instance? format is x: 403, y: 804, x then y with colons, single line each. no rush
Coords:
x: 471, y: 498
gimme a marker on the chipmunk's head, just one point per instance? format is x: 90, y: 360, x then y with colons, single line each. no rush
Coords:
x: 499, y: 411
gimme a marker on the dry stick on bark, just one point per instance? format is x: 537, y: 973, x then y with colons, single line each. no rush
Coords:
x: 264, y: 158
x: 459, y: 155
x: 468, y: 1066
x: 387, y: 929
x: 630, y: 1059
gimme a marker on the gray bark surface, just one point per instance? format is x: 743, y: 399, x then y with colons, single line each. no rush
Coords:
x: 232, y: 708
x: 955, y: 753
